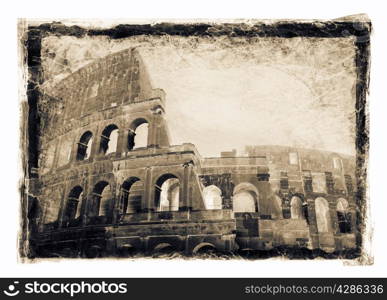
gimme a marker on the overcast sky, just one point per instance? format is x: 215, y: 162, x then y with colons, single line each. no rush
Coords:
x: 227, y: 93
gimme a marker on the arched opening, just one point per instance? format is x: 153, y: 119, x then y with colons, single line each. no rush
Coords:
x: 204, y: 248
x: 167, y: 193
x: 323, y: 217
x: 84, y: 146
x: 343, y: 216
x: 163, y: 248
x: 296, y: 210
x: 138, y: 134
x: 73, y: 205
x: 131, y: 194
x: 245, y: 198
x: 212, y: 197
x: 109, y: 139
x: 102, y: 195
x: 276, y: 207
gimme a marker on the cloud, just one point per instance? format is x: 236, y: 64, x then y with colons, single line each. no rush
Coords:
x: 227, y: 93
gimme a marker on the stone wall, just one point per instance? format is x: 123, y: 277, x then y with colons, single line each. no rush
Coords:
x: 114, y: 93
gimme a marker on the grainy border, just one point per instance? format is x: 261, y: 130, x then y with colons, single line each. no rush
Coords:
x: 361, y: 30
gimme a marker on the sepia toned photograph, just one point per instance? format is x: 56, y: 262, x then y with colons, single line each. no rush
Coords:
x: 194, y: 139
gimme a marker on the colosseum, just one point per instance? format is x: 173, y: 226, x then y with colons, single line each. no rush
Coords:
x: 110, y: 183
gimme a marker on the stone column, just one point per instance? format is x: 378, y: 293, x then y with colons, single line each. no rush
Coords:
x: 95, y: 144
x: 121, y: 145
x: 85, y: 202
x: 54, y: 164
x: 184, y: 197
x: 313, y: 231
x: 154, y: 134
x: 147, y: 201
x: 88, y: 203
x: 63, y: 205
x: 152, y: 131
x: 74, y: 149
x: 264, y: 188
x: 333, y: 216
x: 116, y: 203
x: 353, y: 210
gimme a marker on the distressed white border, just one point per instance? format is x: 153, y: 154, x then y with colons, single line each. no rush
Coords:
x: 10, y: 171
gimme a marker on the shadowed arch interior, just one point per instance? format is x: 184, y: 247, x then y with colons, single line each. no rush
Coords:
x: 138, y: 134
x: 102, y: 199
x: 131, y: 195
x: 84, y: 146
x: 163, y: 248
x: 73, y: 205
x: 109, y: 139
x: 167, y: 193
x: 343, y: 216
x: 203, y: 247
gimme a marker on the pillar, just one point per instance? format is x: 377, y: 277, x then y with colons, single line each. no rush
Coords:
x: 121, y: 145
x: 116, y: 207
x: 95, y: 144
x: 184, y: 197
x: 264, y: 199
x: 63, y: 205
x: 152, y: 131
x: 313, y: 232
x: 147, y: 201
x: 333, y: 216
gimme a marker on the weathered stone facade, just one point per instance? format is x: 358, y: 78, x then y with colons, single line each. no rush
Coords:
x: 101, y: 196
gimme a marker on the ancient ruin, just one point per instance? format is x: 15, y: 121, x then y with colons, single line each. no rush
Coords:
x: 110, y: 183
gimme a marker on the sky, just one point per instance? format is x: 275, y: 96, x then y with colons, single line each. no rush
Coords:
x: 225, y: 93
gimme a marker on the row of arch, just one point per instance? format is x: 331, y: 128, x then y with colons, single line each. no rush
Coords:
x: 166, y: 247
x: 137, y: 138
x: 100, y: 202
x: 323, y: 216
x: 245, y: 199
x: 299, y: 210
x: 167, y: 198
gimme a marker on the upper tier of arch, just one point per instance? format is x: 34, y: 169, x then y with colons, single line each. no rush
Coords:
x: 118, y: 79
